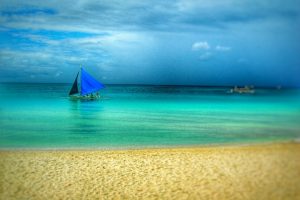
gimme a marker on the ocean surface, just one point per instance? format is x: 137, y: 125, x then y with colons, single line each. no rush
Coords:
x: 131, y: 116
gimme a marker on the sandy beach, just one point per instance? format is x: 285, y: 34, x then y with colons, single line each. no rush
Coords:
x: 264, y: 171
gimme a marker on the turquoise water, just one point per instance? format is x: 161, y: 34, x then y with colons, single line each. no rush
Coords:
x: 42, y: 116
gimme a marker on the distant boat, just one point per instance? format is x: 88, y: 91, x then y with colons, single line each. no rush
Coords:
x: 242, y: 90
x: 85, y: 86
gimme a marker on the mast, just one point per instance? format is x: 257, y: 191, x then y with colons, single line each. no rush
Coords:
x: 80, y: 80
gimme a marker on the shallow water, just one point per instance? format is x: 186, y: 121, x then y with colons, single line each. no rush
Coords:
x: 42, y: 116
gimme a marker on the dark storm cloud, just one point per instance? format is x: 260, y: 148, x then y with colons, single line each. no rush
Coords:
x: 151, y: 41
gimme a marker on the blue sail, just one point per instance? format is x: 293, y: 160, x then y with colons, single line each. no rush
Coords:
x: 89, y: 84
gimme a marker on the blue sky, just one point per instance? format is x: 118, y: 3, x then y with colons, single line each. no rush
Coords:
x: 226, y: 42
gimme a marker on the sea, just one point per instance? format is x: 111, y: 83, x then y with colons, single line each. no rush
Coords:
x: 42, y: 116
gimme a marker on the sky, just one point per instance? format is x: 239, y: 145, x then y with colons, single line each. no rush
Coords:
x: 180, y: 42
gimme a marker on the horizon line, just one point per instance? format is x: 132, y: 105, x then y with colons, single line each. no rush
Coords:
x: 165, y: 85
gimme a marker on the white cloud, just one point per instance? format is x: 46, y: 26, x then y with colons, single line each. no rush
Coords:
x: 222, y: 48
x: 200, y: 45
x: 110, y: 39
x: 58, y: 74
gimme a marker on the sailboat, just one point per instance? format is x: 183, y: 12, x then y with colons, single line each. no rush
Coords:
x: 243, y: 90
x: 85, y: 86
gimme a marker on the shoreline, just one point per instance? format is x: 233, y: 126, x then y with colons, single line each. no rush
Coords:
x: 212, y: 145
x: 260, y: 171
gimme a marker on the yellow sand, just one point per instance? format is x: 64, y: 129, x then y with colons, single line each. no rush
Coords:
x: 270, y: 171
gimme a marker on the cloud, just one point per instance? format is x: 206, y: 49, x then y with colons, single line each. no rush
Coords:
x: 225, y: 13
x: 58, y: 73
x: 205, y: 56
x: 28, y: 11
x: 179, y: 15
x: 32, y: 52
x: 222, y: 48
x: 200, y: 45
x: 141, y: 36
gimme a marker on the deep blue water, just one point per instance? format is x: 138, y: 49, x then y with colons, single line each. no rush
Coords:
x: 42, y: 116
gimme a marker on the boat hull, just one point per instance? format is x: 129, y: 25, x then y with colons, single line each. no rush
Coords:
x: 86, y: 98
